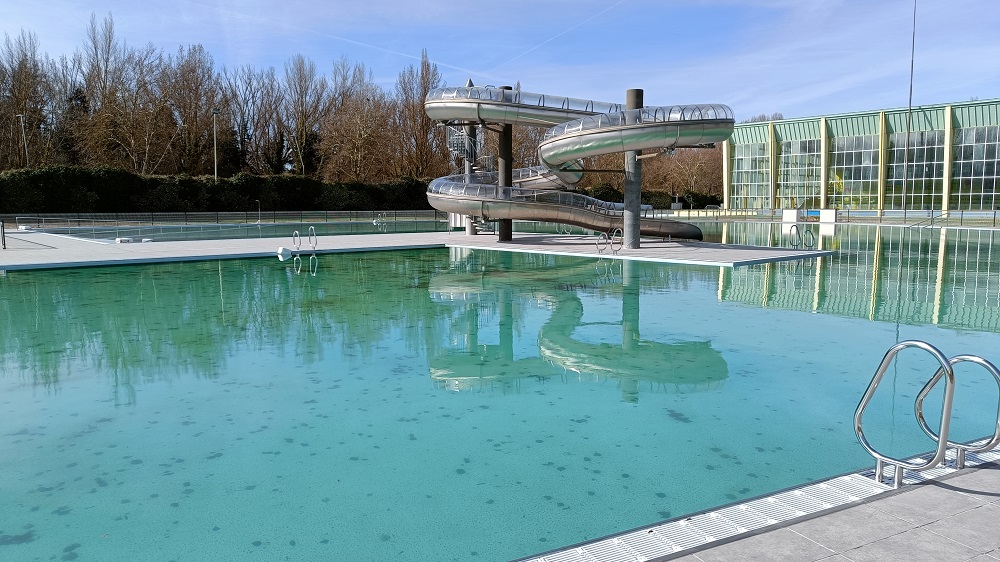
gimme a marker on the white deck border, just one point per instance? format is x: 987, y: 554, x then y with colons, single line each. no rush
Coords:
x: 58, y: 251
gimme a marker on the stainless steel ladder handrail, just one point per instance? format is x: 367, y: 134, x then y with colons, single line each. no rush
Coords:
x: 602, y: 242
x: 796, y: 238
x: 947, y: 372
x: 949, y: 394
x: 961, y: 448
x: 808, y: 238
x: 313, y: 239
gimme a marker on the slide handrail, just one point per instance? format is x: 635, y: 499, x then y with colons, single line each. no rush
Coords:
x: 518, y: 97
x: 645, y: 115
x: 482, y: 186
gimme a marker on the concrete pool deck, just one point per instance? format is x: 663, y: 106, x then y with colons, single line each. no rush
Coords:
x: 39, y: 250
x: 955, y: 516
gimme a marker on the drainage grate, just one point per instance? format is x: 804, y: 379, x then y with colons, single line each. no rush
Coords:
x: 744, y: 518
x: 682, y: 534
x: 647, y: 544
x: 610, y: 550
x: 573, y: 555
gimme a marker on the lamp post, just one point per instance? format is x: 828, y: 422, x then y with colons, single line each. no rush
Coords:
x: 215, y: 143
x: 24, y: 139
x: 258, y: 210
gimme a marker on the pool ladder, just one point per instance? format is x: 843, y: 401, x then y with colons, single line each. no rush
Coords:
x: 945, y: 371
x: 296, y: 255
x: 801, y: 238
x: 612, y: 240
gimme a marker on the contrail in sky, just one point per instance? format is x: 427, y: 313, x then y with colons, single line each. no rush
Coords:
x: 554, y: 37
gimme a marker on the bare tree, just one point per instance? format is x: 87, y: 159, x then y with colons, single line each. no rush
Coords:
x: 761, y: 117
x: 141, y: 121
x: 698, y: 170
x: 23, y: 101
x: 608, y: 164
x: 357, y: 132
x: 357, y: 137
x: 102, y: 63
x: 255, y: 100
x: 193, y: 92
x: 423, y: 147
x: 306, y: 105
x: 68, y: 110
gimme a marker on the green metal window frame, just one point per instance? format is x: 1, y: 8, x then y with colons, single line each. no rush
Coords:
x: 853, y: 173
x: 799, y: 174
x: 751, y: 188
x: 976, y: 163
x: 925, y: 171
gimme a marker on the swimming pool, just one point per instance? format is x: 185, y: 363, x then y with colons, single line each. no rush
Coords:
x: 453, y: 405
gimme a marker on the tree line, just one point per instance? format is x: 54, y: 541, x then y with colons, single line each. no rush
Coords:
x: 152, y: 113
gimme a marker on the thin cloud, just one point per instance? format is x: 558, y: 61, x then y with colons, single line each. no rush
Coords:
x: 759, y: 56
x: 558, y: 35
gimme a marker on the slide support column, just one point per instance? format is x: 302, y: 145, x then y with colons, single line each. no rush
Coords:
x: 633, y: 181
x: 506, y: 227
x: 471, y: 157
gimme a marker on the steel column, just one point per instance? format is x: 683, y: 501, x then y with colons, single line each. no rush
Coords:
x: 505, y: 228
x: 471, y: 156
x: 633, y: 182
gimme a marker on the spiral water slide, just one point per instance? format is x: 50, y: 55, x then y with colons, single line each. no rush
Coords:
x: 577, y: 129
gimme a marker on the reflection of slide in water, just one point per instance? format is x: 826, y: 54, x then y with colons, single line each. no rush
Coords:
x: 579, y: 129
x: 680, y: 366
x: 676, y: 367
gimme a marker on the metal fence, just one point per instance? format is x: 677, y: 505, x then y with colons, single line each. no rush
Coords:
x: 62, y: 220
x: 203, y: 226
x: 970, y: 219
x: 223, y: 220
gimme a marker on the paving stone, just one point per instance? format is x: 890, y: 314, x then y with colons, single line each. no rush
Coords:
x: 977, y: 528
x: 913, y: 545
x: 926, y: 503
x: 779, y: 545
x: 983, y: 483
x: 851, y: 528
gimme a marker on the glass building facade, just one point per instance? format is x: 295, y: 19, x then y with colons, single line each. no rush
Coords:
x: 854, y: 173
x: 866, y: 160
x: 752, y: 175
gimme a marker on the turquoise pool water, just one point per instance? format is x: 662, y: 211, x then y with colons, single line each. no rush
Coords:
x: 448, y: 405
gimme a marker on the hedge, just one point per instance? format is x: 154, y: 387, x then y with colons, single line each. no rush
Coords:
x: 658, y: 199
x: 65, y: 189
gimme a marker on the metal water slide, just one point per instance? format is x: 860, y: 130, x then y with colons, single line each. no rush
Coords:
x: 578, y: 129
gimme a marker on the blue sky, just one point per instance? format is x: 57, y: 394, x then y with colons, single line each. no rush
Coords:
x: 797, y: 57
